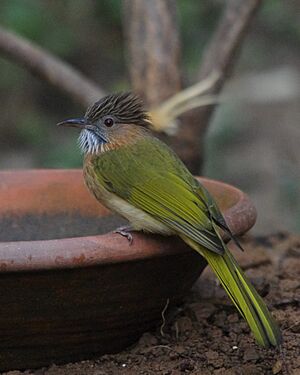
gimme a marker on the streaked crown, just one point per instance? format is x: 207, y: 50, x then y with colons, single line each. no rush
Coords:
x: 126, y: 107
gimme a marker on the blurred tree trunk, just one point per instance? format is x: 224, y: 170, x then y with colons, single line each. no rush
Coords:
x: 153, y: 48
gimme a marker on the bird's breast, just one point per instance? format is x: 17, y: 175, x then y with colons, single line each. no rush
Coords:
x: 139, y: 219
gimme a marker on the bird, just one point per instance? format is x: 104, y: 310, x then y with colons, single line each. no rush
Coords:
x: 138, y: 176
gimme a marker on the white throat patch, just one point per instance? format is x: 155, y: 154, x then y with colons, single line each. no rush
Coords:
x: 88, y: 142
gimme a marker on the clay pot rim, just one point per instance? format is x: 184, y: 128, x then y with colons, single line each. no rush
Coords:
x: 67, y: 253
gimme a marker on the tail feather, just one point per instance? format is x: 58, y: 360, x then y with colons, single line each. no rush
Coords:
x: 244, y: 296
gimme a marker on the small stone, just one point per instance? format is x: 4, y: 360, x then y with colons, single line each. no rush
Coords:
x: 233, y: 318
x: 297, y: 362
x: 295, y: 327
x: 219, y: 371
x: 233, y: 337
x: 179, y: 349
x: 289, y: 284
x: 186, y: 365
x: 276, y: 369
x: 202, y: 311
x: 290, y: 267
x: 224, y: 371
x: 251, y: 355
x: 261, y: 285
x: 184, y: 324
x: 250, y: 369
x: 220, y: 319
x: 173, y: 355
x: 147, y: 340
x: 211, y: 356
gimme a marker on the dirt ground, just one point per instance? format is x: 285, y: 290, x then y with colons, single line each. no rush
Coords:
x: 206, y: 336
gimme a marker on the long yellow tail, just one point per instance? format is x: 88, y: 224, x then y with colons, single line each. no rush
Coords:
x: 248, y: 302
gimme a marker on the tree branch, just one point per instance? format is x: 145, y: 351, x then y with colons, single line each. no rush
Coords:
x: 220, y: 56
x: 221, y: 53
x: 49, y: 68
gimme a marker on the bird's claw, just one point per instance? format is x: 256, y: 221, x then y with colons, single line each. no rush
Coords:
x: 125, y: 232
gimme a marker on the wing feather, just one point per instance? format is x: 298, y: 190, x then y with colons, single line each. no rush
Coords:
x: 167, y: 191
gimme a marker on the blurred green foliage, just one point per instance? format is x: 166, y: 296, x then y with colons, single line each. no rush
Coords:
x: 87, y: 34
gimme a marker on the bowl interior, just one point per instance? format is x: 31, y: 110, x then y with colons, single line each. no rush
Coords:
x: 47, y: 227
x: 49, y: 204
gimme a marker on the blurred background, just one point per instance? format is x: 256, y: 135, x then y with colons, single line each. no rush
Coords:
x: 253, y: 140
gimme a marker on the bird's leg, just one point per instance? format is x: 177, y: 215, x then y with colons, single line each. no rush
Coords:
x: 125, y: 232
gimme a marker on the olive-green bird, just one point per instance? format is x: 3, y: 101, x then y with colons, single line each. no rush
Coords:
x: 139, y: 177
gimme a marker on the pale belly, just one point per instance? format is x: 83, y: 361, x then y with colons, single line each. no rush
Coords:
x: 138, y: 219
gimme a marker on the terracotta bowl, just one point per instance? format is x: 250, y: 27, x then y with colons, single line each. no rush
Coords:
x: 69, y: 287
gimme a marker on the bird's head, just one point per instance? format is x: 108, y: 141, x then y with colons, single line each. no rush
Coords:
x: 112, y: 121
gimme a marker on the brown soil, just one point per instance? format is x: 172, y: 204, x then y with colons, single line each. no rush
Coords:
x: 206, y: 335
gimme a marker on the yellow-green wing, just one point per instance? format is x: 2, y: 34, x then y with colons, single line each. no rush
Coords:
x: 155, y: 180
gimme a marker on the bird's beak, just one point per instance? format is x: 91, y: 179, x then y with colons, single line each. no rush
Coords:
x: 74, y: 123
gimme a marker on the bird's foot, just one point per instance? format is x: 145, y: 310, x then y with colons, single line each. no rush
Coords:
x: 125, y: 232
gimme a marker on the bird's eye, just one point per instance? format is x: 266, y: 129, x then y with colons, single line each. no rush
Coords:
x: 108, y: 122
